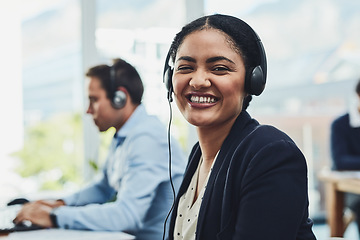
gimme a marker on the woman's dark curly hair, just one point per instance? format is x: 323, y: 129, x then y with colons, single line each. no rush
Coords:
x: 239, y: 34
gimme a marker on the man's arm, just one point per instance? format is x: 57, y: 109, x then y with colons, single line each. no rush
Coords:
x: 145, y: 169
x: 97, y: 192
x: 38, y: 212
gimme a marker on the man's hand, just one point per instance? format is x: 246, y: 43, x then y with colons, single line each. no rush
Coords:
x: 36, y: 212
x: 52, y: 203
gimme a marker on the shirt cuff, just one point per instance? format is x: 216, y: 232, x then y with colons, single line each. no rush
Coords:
x: 53, y: 218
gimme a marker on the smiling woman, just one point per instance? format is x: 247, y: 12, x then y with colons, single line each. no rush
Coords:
x: 206, y: 67
x: 249, y: 181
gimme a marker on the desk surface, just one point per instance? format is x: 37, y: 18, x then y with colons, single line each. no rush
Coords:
x: 346, y: 181
x: 327, y: 174
x: 61, y: 234
x: 337, y: 183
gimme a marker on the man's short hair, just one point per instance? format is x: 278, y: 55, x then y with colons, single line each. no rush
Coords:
x: 125, y: 76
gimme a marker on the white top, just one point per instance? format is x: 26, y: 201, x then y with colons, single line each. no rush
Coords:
x: 187, y: 215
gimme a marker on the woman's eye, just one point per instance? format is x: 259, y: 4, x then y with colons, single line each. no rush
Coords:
x: 184, y: 68
x: 220, y: 69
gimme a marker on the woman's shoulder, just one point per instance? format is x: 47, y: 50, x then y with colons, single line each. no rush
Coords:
x: 248, y: 130
x: 267, y: 134
x: 270, y: 132
x: 267, y: 138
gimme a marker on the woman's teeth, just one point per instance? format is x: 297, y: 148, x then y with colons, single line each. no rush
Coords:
x: 197, y: 99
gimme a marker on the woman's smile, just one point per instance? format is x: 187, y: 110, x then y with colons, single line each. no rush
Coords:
x: 201, y: 100
x: 208, y: 76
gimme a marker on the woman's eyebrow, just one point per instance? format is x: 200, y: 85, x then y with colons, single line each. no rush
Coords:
x: 186, y: 58
x: 219, y: 58
x: 210, y: 60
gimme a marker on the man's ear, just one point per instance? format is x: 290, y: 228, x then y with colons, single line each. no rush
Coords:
x: 120, y: 88
x: 120, y: 97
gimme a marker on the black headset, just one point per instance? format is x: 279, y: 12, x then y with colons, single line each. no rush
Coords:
x: 167, y: 77
x: 255, y: 78
x: 118, y: 100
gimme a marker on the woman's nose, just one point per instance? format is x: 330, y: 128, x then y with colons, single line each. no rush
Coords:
x: 199, y: 80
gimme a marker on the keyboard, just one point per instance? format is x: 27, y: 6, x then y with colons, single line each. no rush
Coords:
x: 7, y: 215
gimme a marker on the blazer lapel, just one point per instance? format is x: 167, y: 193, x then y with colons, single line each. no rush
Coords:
x: 220, y: 169
x: 190, y: 170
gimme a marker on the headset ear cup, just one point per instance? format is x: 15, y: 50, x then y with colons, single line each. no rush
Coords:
x: 168, y: 79
x: 248, y: 81
x: 168, y: 82
x: 119, y: 99
x: 255, y: 81
x: 167, y: 76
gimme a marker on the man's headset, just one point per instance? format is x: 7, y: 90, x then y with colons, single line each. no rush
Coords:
x: 118, y: 100
x: 255, y: 78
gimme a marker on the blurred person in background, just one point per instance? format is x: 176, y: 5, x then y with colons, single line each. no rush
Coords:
x: 136, y: 170
x: 345, y: 151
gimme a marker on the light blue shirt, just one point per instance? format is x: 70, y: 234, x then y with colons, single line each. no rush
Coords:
x: 136, y: 173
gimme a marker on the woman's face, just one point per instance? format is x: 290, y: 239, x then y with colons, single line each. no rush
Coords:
x: 208, y: 79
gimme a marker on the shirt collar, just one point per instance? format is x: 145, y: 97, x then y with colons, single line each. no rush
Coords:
x: 137, y: 116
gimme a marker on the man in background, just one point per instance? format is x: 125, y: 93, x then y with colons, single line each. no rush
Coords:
x: 345, y: 149
x: 136, y: 171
